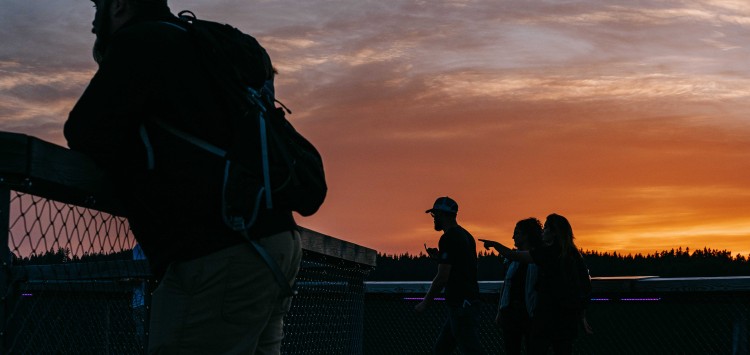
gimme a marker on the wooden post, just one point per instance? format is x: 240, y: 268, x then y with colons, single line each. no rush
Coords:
x: 5, y: 265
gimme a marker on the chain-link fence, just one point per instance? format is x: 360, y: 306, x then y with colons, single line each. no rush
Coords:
x: 694, y: 318
x: 327, y: 315
x: 74, y: 288
x: 71, y: 282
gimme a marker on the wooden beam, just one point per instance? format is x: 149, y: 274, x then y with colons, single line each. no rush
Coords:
x: 37, y: 167
x: 330, y: 246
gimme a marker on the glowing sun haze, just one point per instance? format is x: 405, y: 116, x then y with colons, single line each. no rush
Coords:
x: 629, y: 118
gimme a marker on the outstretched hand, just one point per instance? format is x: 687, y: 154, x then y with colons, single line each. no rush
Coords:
x: 491, y: 244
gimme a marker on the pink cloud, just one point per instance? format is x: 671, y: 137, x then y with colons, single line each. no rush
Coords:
x: 516, y: 109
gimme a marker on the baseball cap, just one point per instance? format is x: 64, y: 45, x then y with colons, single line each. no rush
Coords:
x: 445, y: 204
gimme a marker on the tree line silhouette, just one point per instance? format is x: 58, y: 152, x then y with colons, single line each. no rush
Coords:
x: 673, y: 263
x: 64, y: 255
x: 420, y: 267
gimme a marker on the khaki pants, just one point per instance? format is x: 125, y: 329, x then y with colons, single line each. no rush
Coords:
x: 226, y: 302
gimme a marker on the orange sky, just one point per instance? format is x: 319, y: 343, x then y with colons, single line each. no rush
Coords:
x: 629, y: 118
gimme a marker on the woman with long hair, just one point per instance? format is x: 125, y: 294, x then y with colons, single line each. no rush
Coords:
x: 518, y: 296
x: 563, y: 287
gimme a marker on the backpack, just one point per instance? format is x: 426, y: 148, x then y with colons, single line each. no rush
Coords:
x: 267, y: 163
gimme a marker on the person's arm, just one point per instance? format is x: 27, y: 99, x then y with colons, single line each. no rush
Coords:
x: 104, y: 122
x: 441, y: 279
x: 508, y: 253
x: 514, y: 255
x: 490, y: 244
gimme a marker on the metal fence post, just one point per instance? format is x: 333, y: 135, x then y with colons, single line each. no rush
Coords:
x: 5, y: 262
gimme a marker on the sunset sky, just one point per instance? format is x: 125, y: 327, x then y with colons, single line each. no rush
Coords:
x: 631, y: 118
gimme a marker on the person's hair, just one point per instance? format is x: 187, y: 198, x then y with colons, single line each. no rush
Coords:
x: 151, y: 2
x: 562, y: 232
x: 149, y: 5
x: 532, y: 229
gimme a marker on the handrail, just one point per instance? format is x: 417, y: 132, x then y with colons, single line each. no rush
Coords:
x: 34, y: 166
x: 621, y: 284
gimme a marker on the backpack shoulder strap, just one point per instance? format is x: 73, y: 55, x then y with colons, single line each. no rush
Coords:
x: 191, y: 139
x: 286, y: 290
x: 181, y: 28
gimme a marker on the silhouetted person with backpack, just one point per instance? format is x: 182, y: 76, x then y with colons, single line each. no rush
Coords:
x: 457, y: 273
x: 217, y: 292
x: 563, y: 287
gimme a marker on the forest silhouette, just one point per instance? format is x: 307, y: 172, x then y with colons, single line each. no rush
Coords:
x: 673, y: 263
x: 64, y: 255
x: 678, y: 262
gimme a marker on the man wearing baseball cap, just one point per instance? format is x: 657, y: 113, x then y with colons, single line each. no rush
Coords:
x: 457, y: 273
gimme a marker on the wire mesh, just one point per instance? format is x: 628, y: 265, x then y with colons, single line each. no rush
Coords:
x: 75, y: 318
x: 393, y: 327
x: 326, y: 315
x: 673, y: 323
x: 43, y: 231
x: 74, y: 288
x: 69, y: 290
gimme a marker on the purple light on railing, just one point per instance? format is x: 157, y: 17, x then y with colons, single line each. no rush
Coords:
x: 647, y: 299
x: 27, y: 294
x: 652, y: 299
x: 420, y: 298
x: 642, y: 299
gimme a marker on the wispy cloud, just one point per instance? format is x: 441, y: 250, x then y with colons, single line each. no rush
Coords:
x: 628, y: 117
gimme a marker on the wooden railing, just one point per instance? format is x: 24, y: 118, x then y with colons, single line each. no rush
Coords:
x: 53, y: 186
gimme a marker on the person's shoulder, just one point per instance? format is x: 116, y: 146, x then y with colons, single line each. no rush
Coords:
x: 465, y: 235
x: 149, y: 43
x: 164, y: 27
x: 151, y: 35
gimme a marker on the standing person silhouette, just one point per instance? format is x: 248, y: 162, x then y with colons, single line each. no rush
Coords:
x: 563, y: 287
x: 217, y: 293
x: 518, y: 297
x: 457, y: 273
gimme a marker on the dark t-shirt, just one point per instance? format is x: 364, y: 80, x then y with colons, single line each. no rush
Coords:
x: 458, y: 249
